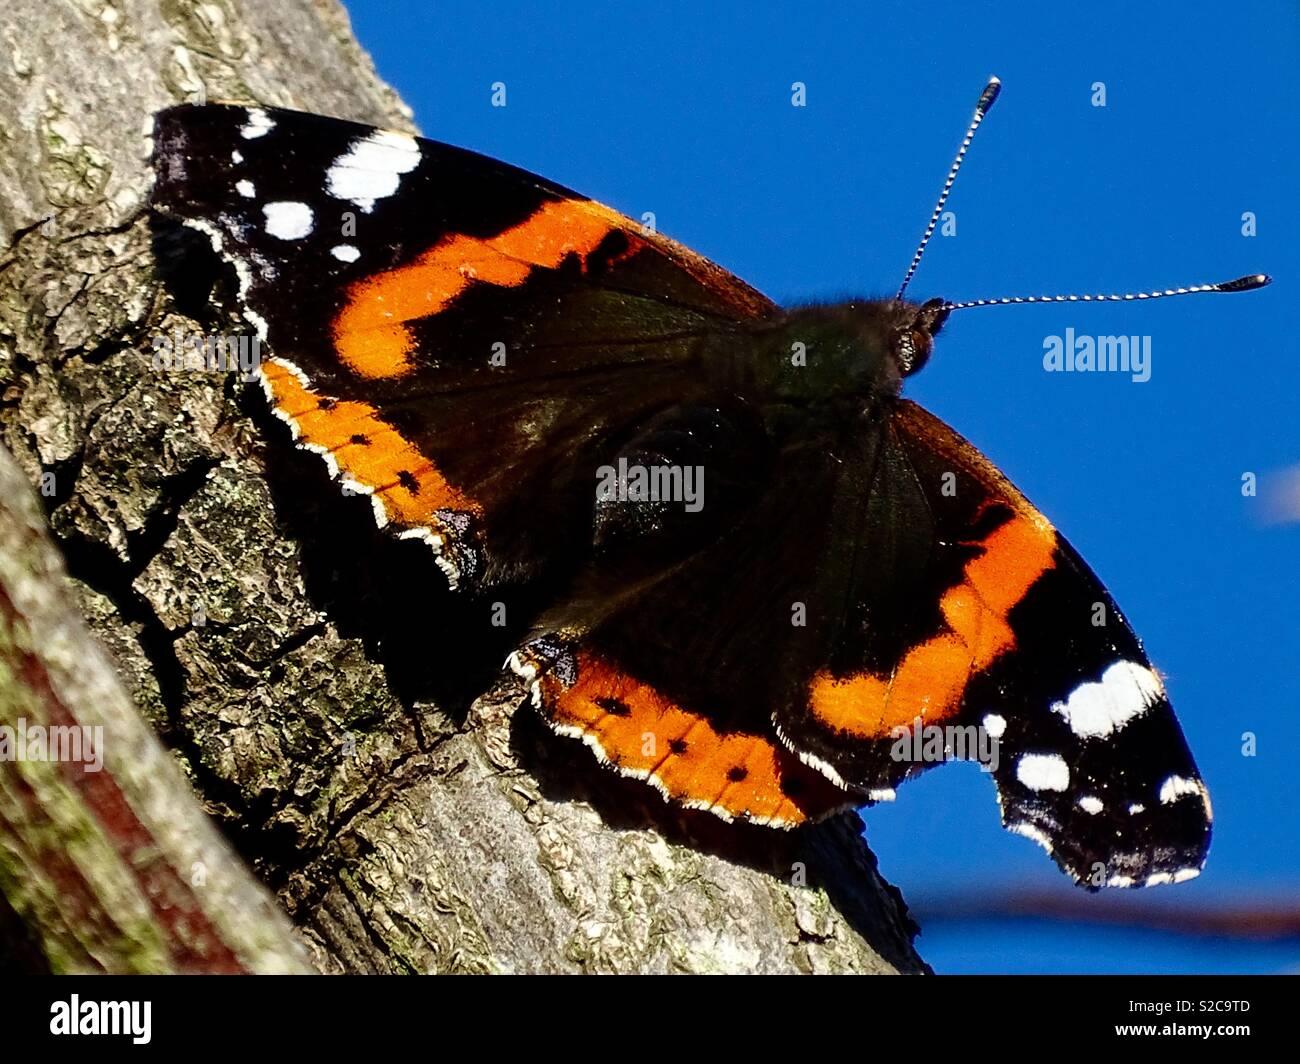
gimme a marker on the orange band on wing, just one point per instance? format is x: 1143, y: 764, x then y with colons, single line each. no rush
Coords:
x: 644, y: 734
x: 370, y: 332
x: 931, y: 679
x: 366, y: 449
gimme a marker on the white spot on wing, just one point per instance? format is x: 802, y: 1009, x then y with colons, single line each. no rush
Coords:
x: 1091, y: 804
x: 372, y: 168
x: 288, y: 219
x: 345, y: 253
x: 995, y: 725
x: 245, y: 188
x: 258, y: 125
x: 1043, y: 772
x: 1176, y: 787
x: 1126, y: 690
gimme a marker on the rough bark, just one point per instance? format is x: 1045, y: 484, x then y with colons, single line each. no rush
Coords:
x: 107, y: 862
x: 314, y: 682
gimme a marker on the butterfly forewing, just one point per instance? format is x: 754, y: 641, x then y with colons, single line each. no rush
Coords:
x: 444, y: 328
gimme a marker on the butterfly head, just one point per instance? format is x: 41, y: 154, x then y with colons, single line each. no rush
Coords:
x: 894, y: 336
x: 913, y: 336
x: 859, y: 348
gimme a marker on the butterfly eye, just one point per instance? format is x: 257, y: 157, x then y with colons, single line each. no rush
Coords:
x: 911, y: 348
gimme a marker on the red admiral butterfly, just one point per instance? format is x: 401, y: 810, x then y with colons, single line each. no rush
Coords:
x: 534, y: 385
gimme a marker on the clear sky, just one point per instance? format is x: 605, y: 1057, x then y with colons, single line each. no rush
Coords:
x: 684, y: 109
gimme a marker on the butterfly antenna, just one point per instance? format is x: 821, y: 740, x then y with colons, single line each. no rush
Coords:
x: 986, y: 99
x: 1241, y: 284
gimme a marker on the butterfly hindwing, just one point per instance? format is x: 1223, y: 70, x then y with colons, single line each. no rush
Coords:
x: 395, y: 279
x: 887, y: 577
x: 671, y: 672
x: 717, y: 640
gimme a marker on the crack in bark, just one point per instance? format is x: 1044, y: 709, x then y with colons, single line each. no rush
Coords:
x: 100, y: 569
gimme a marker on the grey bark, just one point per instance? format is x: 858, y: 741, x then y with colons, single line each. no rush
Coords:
x: 115, y: 868
x: 399, y: 831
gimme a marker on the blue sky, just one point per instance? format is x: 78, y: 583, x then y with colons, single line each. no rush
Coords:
x: 685, y: 110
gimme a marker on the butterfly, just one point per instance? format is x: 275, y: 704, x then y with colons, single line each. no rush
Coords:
x: 785, y: 588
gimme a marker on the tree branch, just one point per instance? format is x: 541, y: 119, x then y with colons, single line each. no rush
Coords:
x: 313, y: 680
